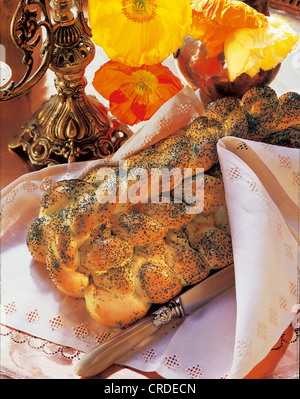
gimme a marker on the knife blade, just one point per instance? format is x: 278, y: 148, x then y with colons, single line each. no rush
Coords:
x: 104, y: 355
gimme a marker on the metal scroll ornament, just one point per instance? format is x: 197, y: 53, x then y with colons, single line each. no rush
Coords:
x: 70, y: 126
x: 165, y: 314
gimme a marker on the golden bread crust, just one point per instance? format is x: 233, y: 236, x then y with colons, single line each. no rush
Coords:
x: 122, y: 257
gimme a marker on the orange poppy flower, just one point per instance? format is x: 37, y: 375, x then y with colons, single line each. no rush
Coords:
x: 135, y: 93
x: 214, y: 20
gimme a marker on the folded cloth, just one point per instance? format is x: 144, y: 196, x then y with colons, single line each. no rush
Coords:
x: 232, y: 333
x: 261, y: 185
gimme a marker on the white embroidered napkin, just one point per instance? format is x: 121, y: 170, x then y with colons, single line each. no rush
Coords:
x: 228, y: 336
x: 262, y: 186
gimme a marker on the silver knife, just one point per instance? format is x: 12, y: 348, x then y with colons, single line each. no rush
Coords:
x: 104, y: 355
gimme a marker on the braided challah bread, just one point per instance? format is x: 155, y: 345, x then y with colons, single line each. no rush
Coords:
x: 124, y: 256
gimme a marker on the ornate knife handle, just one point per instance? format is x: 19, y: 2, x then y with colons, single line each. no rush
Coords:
x: 104, y: 355
x: 167, y: 313
x: 24, y: 32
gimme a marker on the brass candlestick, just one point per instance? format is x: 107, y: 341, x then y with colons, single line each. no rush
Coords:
x: 70, y: 126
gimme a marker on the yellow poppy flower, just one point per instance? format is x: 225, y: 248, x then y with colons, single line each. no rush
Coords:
x: 249, y: 50
x: 135, y: 93
x: 137, y: 32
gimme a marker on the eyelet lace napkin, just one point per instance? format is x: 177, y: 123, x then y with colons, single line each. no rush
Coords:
x: 232, y: 333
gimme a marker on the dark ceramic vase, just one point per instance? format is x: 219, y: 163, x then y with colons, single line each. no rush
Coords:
x: 210, y: 75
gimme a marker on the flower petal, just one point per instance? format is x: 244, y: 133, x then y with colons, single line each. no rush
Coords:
x: 117, y: 97
x: 107, y: 79
x: 139, y: 110
x: 123, y: 113
x: 248, y: 50
x: 135, y: 94
x: 235, y: 14
x: 139, y: 32
x: 214, y: 20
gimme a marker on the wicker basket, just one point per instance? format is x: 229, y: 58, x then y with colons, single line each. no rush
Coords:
x: 290, y: 6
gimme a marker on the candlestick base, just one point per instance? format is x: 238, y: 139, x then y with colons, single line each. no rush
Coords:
x: 55, y: 134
